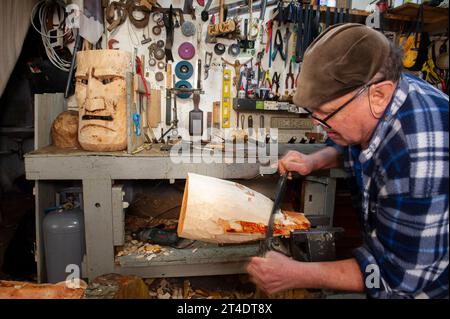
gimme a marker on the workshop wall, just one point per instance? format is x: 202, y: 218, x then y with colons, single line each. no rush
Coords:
x: 129, y: 37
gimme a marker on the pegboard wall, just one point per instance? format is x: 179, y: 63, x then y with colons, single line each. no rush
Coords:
x: 129, y: 39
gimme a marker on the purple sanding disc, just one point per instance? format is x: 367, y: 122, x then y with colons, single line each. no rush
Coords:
x: 186, y: 51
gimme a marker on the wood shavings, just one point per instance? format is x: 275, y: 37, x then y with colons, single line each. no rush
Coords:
x: 175, y: 289
x: 142, y: 250
x: 164, y: 296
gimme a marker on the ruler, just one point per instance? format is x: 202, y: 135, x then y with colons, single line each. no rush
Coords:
x: 226, y: 98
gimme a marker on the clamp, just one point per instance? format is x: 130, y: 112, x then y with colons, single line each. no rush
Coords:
x: 278, y: 46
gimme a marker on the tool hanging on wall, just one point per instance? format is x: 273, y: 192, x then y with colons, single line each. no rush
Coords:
x: 327, y: 16
x: 184, y: 70
x: 316, y: 30
x: 245, y: 43
x: 168, y: 23
x: 299, y: 40
x: 289, y: 76
x: 124, y: 9
x: 196, y: 115
x: 287, y: 37
x: 226, y: 97
x: 223, y: 27
x: 183, y: 84
x: 253, y: 27
x: 216, y: 115
x: 188, y: 29
x: 219, y: 48
x: 186, y: 51
x: 208, y: 57
x: 250, y: 125
x: 156, y: 30
x: 189, y: 8
x: 278, y: 46
x: 306, y: 23
x: 168, y: 93
x: 276, y: 83
x: 335, y: 14
x: 234, y: 50
x: 205, y: 14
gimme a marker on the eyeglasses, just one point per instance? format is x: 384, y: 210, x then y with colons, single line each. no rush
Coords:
x: 323, y: 121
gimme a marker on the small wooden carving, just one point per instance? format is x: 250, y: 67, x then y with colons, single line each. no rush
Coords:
x: 65, y: 130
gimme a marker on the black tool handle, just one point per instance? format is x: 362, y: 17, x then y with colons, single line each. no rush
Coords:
x: 299, y: 45
x: 327, y: 17
x: 263, y: 10
x: 281, y: 188
x: 77, y: 47
x: 199, y: 75
x: 335, y: 15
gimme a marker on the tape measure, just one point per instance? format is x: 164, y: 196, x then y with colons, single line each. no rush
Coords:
x: 226, y: 98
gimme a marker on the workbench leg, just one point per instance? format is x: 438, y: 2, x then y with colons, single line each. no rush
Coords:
x: 98, y: 220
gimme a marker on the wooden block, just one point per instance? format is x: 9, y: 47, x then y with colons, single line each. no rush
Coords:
x: 28, y: 290
x: 154, y: 108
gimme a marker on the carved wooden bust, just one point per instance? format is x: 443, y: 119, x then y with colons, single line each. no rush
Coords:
x: 100, y: 91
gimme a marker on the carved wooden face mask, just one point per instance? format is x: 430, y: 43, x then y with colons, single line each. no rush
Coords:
x: 100, y: 91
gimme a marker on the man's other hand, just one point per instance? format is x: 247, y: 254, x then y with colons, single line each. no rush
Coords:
x: 272, y: 273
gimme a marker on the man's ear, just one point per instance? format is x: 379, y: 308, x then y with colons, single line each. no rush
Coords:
x: 380, y: 95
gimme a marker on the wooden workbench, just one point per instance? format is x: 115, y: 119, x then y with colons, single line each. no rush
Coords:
x: 101, y: 174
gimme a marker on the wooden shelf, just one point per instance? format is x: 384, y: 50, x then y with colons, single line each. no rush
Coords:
x: 431, y: 14
x: 434, y: 18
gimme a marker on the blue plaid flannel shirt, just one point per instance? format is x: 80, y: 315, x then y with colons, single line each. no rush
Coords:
x: 400, y: 185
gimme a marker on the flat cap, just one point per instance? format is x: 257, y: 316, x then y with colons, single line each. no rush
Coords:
x: 343, y: 58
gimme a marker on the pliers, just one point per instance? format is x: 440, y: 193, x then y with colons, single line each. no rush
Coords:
x: 278, y: 46
x: 290, y: 76
x: 276, y: 82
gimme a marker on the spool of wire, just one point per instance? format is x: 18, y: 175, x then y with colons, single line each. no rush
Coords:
x: 42, y: 10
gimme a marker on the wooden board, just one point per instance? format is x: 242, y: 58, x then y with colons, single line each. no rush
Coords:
x: 221, y: 211
x: 154, y: 110
x: 46, y: 108
x: 431, y: 14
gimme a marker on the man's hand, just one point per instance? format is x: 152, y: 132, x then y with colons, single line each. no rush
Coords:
x: 295, y: 161
x: 272, y: 273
